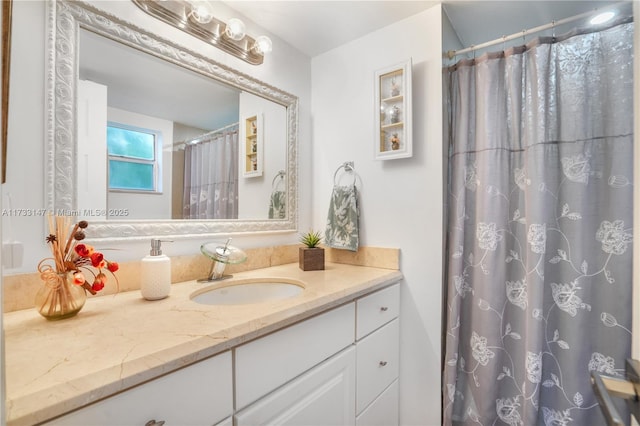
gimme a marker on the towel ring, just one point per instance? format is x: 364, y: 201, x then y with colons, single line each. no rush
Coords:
x: 281, y: 174
x: 348, y: 167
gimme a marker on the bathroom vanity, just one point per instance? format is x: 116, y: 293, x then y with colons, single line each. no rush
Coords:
x: 328, y: 355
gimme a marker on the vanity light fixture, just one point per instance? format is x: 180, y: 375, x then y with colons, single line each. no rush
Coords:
x: 235, y: 29
x: 262, y: 44
x: 201, y: 12
x: 195, y: 17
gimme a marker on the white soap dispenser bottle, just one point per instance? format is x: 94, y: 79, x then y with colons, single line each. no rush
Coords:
x: 155, y: 273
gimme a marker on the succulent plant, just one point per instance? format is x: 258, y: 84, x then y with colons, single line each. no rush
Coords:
x: 311, y: 239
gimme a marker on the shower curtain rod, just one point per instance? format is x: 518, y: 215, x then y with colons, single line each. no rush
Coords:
x: 453, y: 53
x: 203, y: 136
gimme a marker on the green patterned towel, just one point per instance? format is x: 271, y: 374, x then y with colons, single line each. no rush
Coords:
x: 277, y: 205
x: 342, y: 221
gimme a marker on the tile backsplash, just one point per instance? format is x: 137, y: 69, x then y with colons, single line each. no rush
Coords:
x: 19, y: 290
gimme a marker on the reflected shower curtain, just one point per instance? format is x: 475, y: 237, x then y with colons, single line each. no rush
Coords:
x: 211, y: 178
x: 538, y: 287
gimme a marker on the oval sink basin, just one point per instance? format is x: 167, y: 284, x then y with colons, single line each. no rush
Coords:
x: 248, y: 291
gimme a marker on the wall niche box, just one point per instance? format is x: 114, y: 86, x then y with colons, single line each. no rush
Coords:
x: 252, y: 157
x: 393, y: 112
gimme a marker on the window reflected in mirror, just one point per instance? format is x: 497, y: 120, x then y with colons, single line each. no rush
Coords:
x: 133, y: 163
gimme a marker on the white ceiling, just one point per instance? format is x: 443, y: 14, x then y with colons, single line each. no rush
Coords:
x: 311, y: 26
x: 315, y: 26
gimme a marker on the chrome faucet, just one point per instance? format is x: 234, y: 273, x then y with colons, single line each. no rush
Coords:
x: 220, y: 257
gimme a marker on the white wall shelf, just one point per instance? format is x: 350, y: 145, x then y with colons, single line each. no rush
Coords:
x: 393, y: 112
x: 252, y: 155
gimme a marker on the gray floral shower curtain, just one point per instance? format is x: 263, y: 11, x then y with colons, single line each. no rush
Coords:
x: 211, y: 177
x: 538, y: 289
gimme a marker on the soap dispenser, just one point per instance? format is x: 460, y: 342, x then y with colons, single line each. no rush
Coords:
x: 155, y: 273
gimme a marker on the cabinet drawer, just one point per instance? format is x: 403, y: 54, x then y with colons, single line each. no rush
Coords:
x: 195, y: 395
x: 269, y: 362
x: 377, y: 365
x: 322, y: 396
x: 383, y: 411
x: 377, y: 309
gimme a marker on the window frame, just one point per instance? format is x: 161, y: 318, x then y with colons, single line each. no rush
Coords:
x: 156, y: 162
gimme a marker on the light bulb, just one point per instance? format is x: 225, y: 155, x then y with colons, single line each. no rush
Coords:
x: 201, y: 12
x: 263, y: 44
x: 601, y: 18
x: 235, y: 29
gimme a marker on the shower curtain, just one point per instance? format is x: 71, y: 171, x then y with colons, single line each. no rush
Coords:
x: 538, y: 285
x: 211, y: 178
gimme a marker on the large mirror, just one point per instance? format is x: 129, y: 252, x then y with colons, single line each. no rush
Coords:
x: 113, y: 86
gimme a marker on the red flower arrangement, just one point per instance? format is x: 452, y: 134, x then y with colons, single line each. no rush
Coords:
x: 75, y: 257
x: 84, y: 256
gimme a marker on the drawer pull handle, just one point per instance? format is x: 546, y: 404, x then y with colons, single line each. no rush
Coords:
x: 154, y: 423
x: 384, y: 308
x: 383, y: 363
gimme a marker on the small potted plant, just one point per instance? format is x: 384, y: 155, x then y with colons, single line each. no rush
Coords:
x: 311, y: 257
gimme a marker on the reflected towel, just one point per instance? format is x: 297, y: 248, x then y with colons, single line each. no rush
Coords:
x: 277, y: 205
x: 342, y: 221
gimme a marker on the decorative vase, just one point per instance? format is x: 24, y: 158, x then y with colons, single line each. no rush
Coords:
x: 395, y: 88
x: 395, y: 114
x: 59, y: 297
x: 311, y: 259
x: 395, y: 142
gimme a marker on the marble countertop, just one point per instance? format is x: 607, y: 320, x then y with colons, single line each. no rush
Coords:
x: 121, y: 340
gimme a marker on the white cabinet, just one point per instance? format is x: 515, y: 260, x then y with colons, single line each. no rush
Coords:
x: 337, y: 368
x: 377, y: 309
x: 377, y: 363
x: 269, y: 362
x: 383, y: 411
x: 378, y: 357
x: 302, y: 375
x: 323, y: 396
x: 200, y: 394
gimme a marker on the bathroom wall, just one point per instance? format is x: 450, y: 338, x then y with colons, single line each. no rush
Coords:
x: 450, y: 40
x: 400, y: 200
x: 285, y: 68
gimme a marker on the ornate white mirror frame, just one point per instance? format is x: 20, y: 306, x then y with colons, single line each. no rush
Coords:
x: 64, y: 20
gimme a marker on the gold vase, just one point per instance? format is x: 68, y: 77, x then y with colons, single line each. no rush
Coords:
x: 59, y: 297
